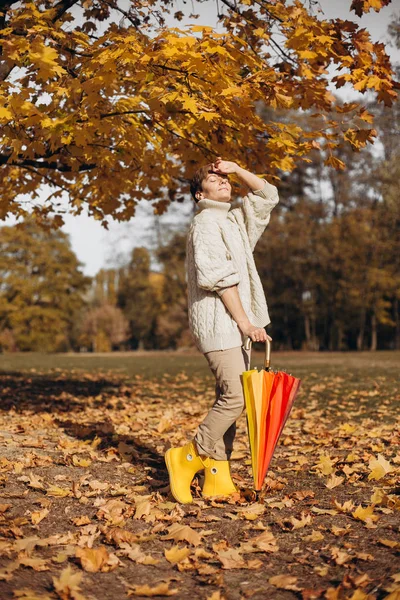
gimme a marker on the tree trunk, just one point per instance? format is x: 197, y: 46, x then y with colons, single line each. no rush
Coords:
x: 360, y: 337
x: 397, y: 321
x: 374, y: 333
x: 307, y: 331
x: 340, y: 335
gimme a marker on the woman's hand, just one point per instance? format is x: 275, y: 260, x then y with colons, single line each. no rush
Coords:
x: 256, y: 334
x: 225, y: 167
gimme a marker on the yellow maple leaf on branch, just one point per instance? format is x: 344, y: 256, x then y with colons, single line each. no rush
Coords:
x: 131, y: 112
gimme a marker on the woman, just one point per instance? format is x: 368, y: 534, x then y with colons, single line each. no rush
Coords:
x: 226, y: 304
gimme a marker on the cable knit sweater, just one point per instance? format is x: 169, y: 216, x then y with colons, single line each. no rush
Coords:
x: 219, y: 254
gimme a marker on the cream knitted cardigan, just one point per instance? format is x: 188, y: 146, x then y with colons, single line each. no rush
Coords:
x: 219, y: 254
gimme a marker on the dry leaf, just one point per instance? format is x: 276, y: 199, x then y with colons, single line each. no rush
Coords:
x: 56, y: 491
x: 183, y: 533
x: 136, y: 554
x: 334, y: 481
x: 379, y: 467
x: 315, y: 536
x: 175, y: 554
x: 231, y: 559
x: 37, y: 564
x: 365, y: 514
x: 302, y: 522
x: 162, y: 589
x: 26, y: 594
x: 38, y: 516
x: 67, y: 585
x: 284, y: 582
x: 93, y: 559
x: 340, y: 556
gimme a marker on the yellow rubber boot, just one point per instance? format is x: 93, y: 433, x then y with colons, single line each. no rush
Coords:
x: 183, y: 464
x: 217, y: 480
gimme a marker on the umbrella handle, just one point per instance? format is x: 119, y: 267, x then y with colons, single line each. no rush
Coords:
x: 267, y: 359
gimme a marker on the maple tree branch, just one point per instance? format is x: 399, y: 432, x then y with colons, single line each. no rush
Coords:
x: 200, y: 146
x: 27, y: 168
x: 44, y: 164
x: 237, y: 11
x: 135, y: 22
x: 183, y: 71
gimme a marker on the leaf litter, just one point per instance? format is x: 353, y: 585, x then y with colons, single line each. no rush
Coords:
x: 85, y: 508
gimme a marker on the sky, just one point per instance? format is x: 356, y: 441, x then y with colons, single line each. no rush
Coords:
x: 98, y: 248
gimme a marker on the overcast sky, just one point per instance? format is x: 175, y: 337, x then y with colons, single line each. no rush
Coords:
x: 97, y: 247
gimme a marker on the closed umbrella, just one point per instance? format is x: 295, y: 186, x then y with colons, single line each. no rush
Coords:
x: 269, y: 397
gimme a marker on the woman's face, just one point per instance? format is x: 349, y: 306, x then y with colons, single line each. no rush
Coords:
x: 216, y: 187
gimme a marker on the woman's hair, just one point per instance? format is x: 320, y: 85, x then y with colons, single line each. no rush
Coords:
x: 198, y: 178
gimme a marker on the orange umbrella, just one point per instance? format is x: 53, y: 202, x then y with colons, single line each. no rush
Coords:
x: 269, y: 398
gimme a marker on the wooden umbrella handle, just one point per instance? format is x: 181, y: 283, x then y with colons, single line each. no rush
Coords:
x: 267, y: 359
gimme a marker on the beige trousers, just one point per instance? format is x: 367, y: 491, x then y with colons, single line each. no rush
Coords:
x: 215, y: 435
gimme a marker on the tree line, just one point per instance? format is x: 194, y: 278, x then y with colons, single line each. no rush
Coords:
x: 329, y: 262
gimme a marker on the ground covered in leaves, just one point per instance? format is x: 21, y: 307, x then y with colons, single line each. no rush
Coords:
x: 85, y: 510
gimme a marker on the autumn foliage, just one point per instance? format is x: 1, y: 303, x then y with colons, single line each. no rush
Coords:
x: 117, y: 117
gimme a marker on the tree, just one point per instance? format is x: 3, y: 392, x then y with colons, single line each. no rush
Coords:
x: 41, y: 288
x: 172, y: 323
x: 133, y: 111
x: 139, y: 298
x: 104, y: 328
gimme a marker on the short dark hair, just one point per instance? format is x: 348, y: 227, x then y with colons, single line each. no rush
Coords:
x: 198, y: 178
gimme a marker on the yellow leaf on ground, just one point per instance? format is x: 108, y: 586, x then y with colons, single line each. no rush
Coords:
x: 365, y: 514
x: 26, y: 594
x: 284, y: 582
x: 315, y: 536
x: 67, y: 585
x: 334, y: 481
x: 39, y: 515
x: 92, y: 559
x: 183, y: 533
x: 389, y: 543
x: 161, y: 589
x: 302, y: 522
x: 340, y: 556
x: 37, y: 564
x: 231, y: 559
x: 379, y: 467
x: 175, y: 554
x: 58, y: 492
x: 325, y: 465
x: 135, y: 553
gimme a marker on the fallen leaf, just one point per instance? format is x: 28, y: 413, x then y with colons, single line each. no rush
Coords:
x: 67, y: 585
x: 365, y: 514
x: 37, y: 564
x: 379, y: 467
x: 175, y: 554
x: 231, y: 559
x: 315, y: 536
x: 58, y: 492
x: 340, y: 556
x: 162, y: 589
x: 302, y: 522
x: 38, y: 516
x: 334, y: 481
x: 184, y: 533
x: 389, y: 543
x: 284, y: 582
x: 26, y: 594
x: 93, y: 559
